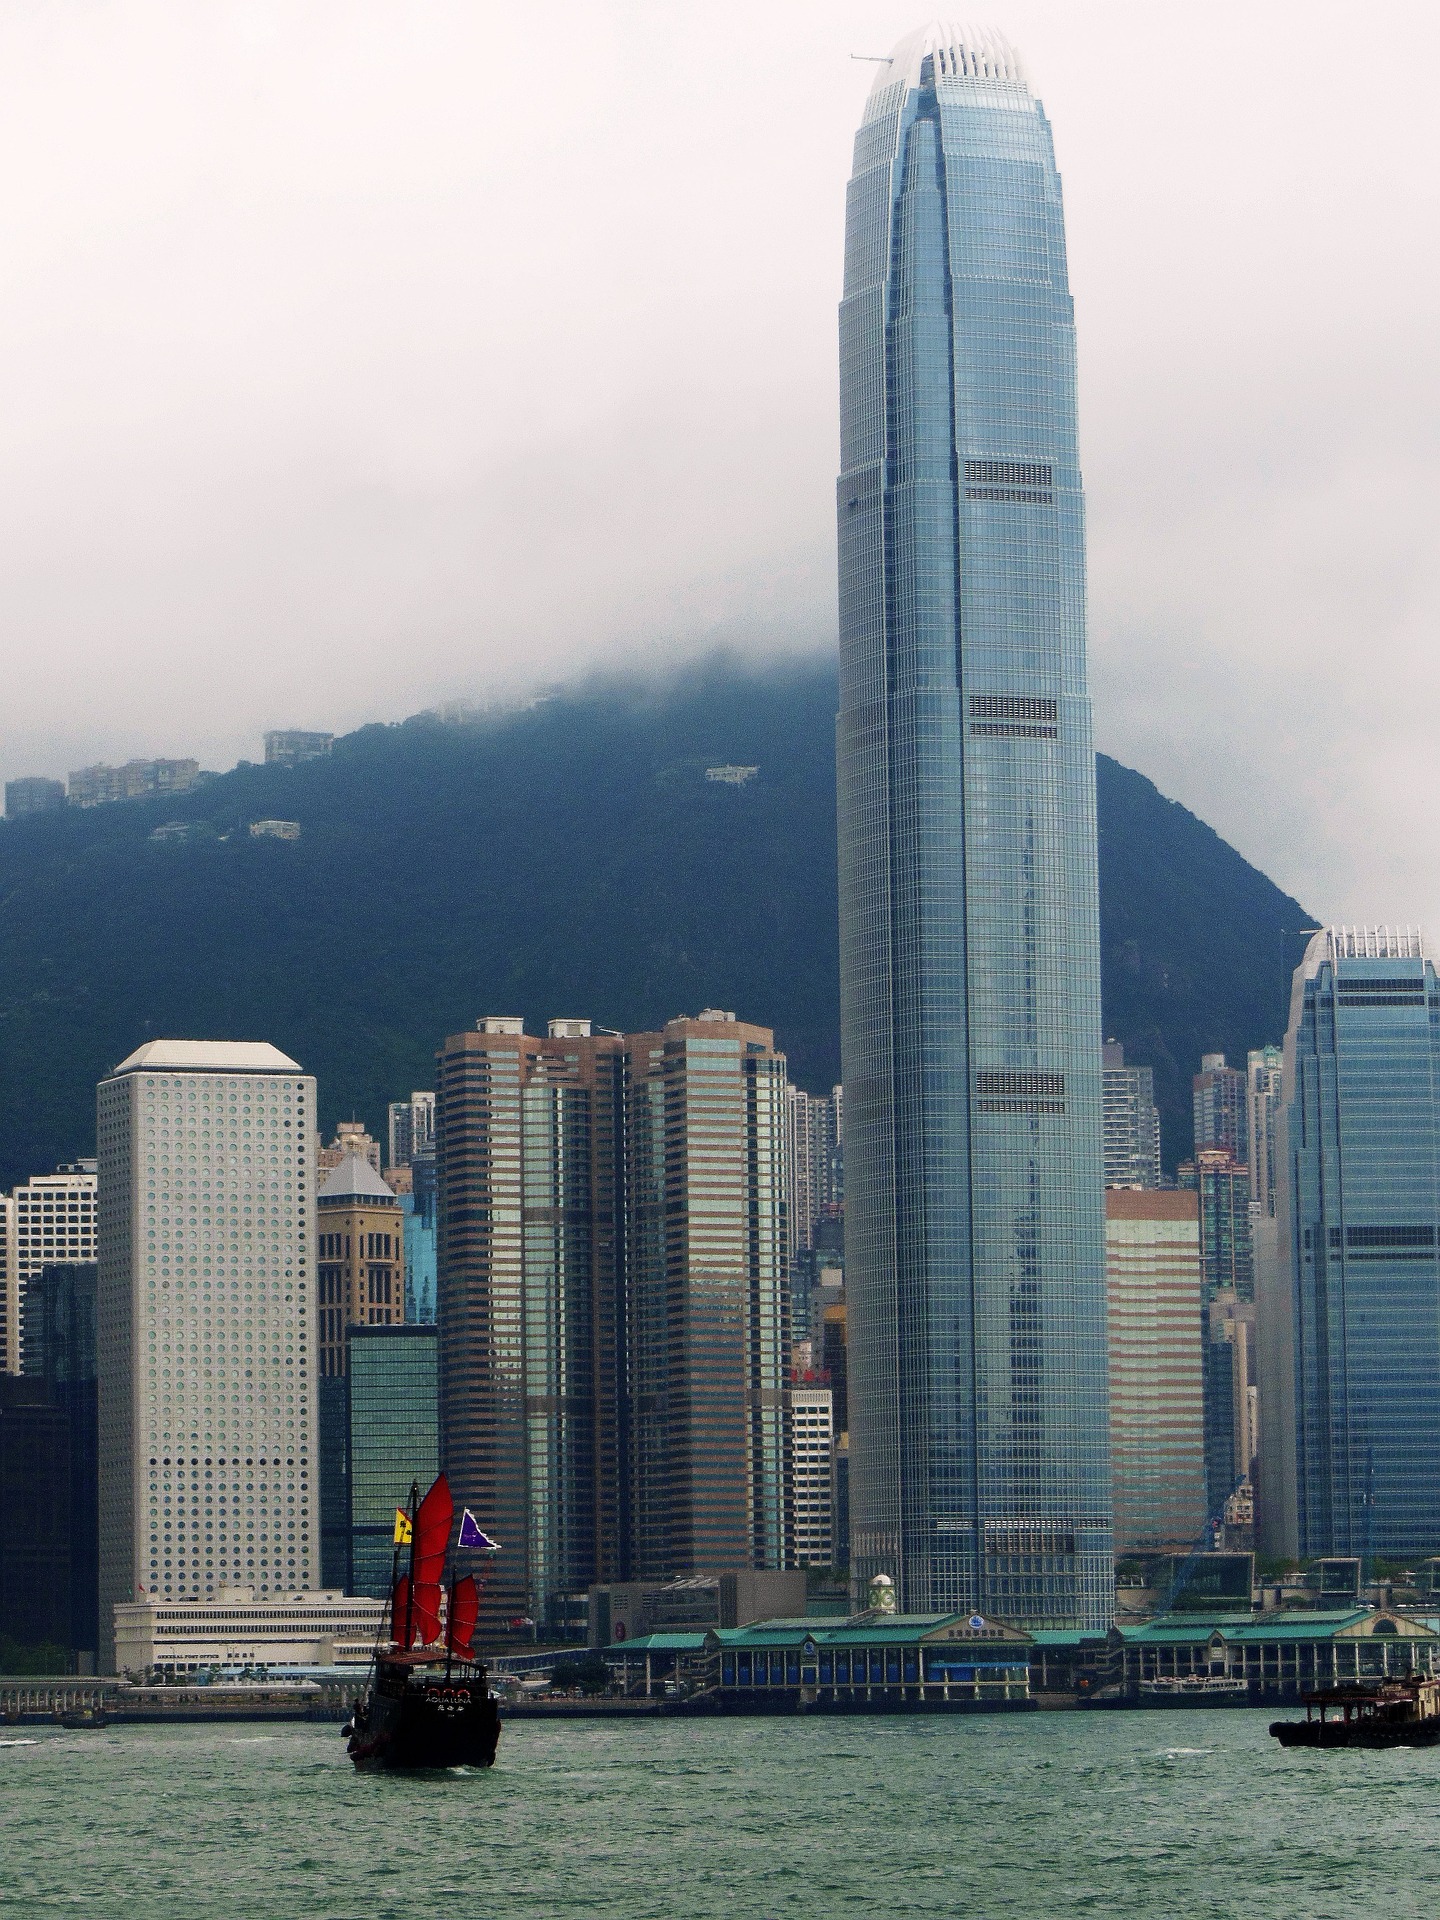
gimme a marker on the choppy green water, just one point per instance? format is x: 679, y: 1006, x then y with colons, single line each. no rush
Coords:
x: 1166, y: 1814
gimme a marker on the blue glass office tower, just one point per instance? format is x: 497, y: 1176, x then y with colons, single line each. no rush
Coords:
x: 1359, y: 1206
x: 980, y: 1472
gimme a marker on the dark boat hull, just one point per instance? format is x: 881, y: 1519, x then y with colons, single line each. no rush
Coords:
x: 1335, y: 1733
x: 425, y: 1724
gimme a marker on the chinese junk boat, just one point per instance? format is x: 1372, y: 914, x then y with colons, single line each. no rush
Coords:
x: 1395, y: 1713
x: 427, y: 1703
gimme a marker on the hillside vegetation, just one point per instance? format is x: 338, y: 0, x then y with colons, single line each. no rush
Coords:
x: 568, y: 859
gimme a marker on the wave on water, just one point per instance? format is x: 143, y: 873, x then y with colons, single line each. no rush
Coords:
x: 1181, y: 1753
x: 19, y: 1743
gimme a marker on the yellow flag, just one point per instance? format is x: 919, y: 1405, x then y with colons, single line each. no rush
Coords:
x: 402, y: 1527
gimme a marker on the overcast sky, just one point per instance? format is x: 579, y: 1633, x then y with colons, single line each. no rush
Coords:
x: 362, y: 354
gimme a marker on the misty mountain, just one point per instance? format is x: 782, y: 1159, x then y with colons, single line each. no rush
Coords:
x: 570, y: 858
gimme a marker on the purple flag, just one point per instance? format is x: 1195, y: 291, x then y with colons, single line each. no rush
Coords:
x: 472, y: 1536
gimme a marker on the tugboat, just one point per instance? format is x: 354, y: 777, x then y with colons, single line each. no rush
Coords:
x: 427, y: 1703
x: 1394, y: 1713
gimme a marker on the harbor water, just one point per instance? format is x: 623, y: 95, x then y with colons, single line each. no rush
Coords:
x: 1165, y: 1813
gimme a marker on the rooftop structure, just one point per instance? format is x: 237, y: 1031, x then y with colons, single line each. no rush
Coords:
x: 207, y: 1056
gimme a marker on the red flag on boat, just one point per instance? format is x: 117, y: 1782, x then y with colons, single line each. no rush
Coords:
x: 464, y: 1612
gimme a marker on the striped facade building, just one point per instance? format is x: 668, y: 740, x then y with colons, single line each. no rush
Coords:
x: 1157, y: 1399
x: 613, y: 1316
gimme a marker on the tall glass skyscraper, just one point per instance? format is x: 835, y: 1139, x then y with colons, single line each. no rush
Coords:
x: 969, y: 917
x: 1358, y: 1177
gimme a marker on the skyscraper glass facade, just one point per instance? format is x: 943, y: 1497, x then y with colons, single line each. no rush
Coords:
x: 969, y: 918
x: 1360, y: 1211
x: 393, y: 1441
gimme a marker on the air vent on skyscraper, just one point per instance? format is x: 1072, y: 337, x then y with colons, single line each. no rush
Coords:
x: 1011, y: 473
x: 1021, y: 483
x: 999, y: 1092
x: 1013, y: 716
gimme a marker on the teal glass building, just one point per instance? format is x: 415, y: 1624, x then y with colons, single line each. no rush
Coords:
x: 393, y: 1440
x: 1359, y: 1205
x: 980, y: 1473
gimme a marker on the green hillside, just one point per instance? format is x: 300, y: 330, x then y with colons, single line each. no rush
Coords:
x: 569, y: 859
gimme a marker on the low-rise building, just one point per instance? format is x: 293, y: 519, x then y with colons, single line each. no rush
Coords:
x: 871, y: 1661
x: 274, y: 829
x: 235, y: 1629
x: 101, y: 785
x: 33, y: 796
x: 288, y: 746
x: 1275, y: 1655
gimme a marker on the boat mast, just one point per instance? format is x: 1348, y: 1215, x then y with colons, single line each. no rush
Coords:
x: 410, y: 1583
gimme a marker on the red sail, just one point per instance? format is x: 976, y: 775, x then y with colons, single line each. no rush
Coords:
x: 431, y: 1544
x: 432, y: 1536
x: 399, y: 1607
x: 464, y: 1612
x: 427, y: 1614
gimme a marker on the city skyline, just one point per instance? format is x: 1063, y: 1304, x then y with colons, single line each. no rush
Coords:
x: 1016, y: 1288
x: 969, y: 906
x: 971, y: 1310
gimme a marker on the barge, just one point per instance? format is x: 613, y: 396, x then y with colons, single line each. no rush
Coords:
x: 1393, y: 1713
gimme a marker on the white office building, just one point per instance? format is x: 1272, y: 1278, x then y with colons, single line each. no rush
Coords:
x: 235, y: 1629
x: 812, y: 1470
x: 47, y: 1220
x: 206, y: 1347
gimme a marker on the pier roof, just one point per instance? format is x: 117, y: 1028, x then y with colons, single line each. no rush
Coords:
x: 860, y: 1630
x: 1297, y: 1624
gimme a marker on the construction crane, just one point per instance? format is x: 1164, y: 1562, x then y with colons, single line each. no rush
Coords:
x: 1203, y: 1544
